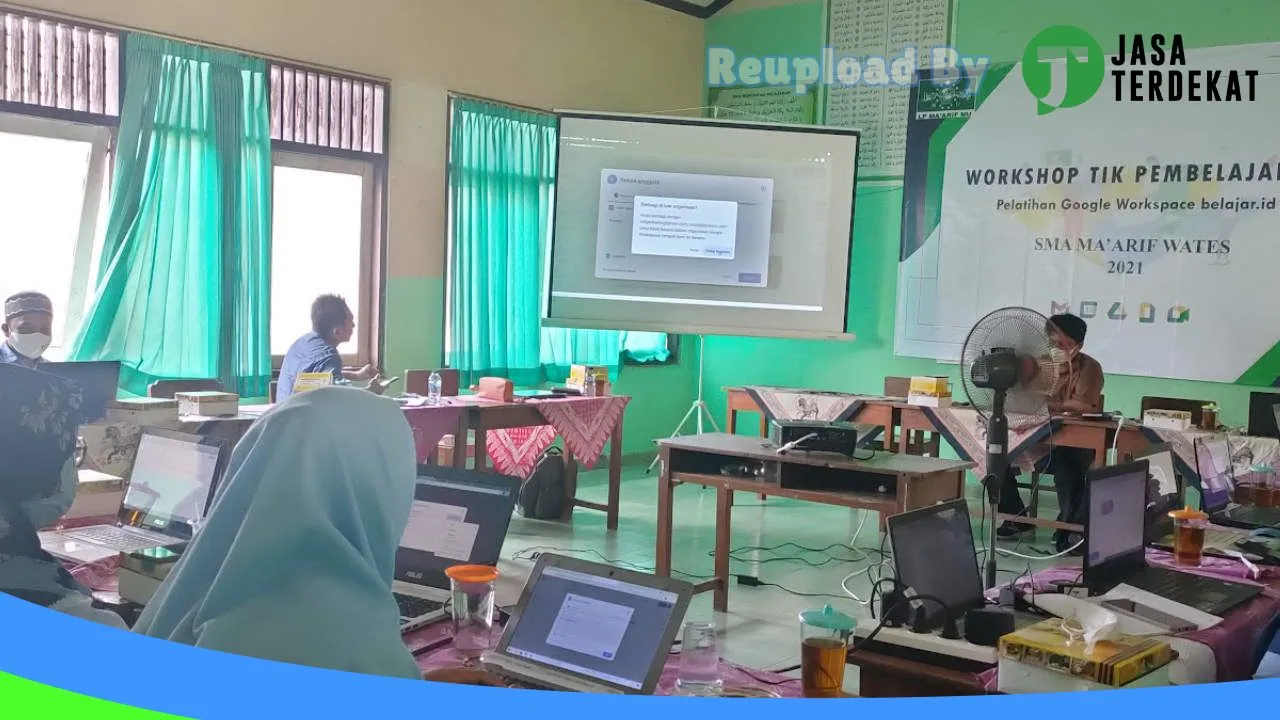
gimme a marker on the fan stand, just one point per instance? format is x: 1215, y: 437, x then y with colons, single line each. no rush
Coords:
x: 698, y: 411
x: 997, y: 469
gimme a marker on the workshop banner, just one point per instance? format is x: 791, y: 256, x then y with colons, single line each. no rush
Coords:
x: 1140, y: 195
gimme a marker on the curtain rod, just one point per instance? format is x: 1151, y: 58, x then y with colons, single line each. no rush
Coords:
x: 493, y: 101
x: 105, y: 25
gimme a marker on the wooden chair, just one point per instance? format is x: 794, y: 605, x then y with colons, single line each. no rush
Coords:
x: 912, y: 442
x: 166, y: 389
x: 1195, y: 407
x: 271, y: 391
x: 415, y: 382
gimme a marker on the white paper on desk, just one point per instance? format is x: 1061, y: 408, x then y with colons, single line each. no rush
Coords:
x: 1202, y: 620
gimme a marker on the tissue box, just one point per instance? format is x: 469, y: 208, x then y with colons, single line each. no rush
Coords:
x: 1016, y: 678
x: 1112, y: 663
x: 208, y: 404
x: 580, y: 375
x: 1167, y: 419
x: 929, y: 392
x: 147, y: 412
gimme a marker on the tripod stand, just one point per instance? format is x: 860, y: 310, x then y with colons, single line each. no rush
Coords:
x: 698, y: 410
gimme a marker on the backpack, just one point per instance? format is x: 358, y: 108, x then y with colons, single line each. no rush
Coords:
x: 542, y: 493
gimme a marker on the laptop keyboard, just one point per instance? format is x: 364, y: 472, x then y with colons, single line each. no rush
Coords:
x: 415, y: 607
x: 1205, y: 594
x: 116, y: 538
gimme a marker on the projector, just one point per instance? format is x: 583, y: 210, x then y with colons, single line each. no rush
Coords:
x: 815, y: 436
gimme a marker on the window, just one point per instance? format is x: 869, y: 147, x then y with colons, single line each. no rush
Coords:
x: 52, y: 214
x: 322, y: 241
x: 501, y: 180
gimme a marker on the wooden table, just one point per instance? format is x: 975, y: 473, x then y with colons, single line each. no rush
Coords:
x: 887, y: 483
x: 482, y: 417
x: 892, y: 671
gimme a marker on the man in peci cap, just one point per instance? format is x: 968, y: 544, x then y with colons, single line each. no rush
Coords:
x: 28, y: 329
x: 1078, y: 390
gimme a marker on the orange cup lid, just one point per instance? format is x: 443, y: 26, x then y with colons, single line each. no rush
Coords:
x: 472, y: 573
x: 1188, y: 514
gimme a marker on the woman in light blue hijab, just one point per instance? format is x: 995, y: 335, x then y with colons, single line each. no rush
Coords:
x: 296, y: 558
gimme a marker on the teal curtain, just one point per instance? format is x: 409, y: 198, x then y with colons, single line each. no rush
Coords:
x: 501, y: 183
x: 183, y: 290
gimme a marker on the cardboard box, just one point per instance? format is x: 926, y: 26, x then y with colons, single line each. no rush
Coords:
x: 208, y: 404
x: 1015, y: 678
x: 1179, y: 420
x: 147, y: 412
x: 929, y: 392
x: 1112, y: 663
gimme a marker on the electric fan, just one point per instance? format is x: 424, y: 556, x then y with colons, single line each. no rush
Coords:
x: 1009, y: 367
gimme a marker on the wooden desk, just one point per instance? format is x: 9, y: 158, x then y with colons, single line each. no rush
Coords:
x: 891, y: 671
x: 887, y: 484
x: 480, y: 418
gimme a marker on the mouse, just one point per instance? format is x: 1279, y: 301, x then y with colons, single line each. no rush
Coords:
x: 1266, y: 532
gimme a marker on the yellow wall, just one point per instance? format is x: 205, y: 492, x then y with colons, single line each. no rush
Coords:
x: 623, y: 55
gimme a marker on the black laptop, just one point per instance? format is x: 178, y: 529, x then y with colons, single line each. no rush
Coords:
x: 1115, y: 548
x: 99, y: 383
x: 1264, y: 414
x: 1218, y: 485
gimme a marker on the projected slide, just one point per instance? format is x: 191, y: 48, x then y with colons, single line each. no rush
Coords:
x: 684, y: 228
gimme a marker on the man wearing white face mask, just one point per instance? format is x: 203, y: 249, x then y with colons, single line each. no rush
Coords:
x: 1079, y: 390
x: 28, y: 329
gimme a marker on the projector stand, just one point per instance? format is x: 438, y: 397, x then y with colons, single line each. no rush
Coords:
x: 698, y: 411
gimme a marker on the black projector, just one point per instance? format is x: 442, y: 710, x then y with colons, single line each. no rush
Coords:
x: 815, y: 436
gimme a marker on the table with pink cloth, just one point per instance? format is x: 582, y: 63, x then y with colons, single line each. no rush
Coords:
x: 433, y: 650
x: 431, y: 423
x: 1233, y: 641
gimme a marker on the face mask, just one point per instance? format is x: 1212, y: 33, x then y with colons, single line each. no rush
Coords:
x: 1058, y: 354
x: 29, y: 345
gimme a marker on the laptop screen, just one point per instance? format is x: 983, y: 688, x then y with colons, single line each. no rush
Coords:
x: 600, y: 627
x: 933, y: 554
x: 459, y: 517
x: 1163, y: 476
x: 99, y: 382
x: 1213, y: 465
x: 1117, y: 513
x: 172, y: 480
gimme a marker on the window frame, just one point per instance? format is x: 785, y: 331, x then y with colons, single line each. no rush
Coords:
x: 101, y: 139
x: 368, y: 324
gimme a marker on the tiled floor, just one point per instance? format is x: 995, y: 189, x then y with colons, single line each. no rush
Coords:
x: 760, y: 630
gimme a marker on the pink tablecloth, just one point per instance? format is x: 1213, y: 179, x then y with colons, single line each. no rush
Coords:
x: 434, y: 652
x: 585, y: 423
x: 430, y: 423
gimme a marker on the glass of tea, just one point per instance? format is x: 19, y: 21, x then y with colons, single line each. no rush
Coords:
x: 824, y: 644
x: 1188, y: 536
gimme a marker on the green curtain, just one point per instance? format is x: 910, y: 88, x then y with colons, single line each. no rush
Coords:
x: 501, y: 180
x: 184, y: 285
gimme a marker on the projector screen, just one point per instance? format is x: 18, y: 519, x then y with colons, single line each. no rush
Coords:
x: 701, y: 227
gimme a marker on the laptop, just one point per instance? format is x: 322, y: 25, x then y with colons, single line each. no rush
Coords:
x: 1161, y: 478
x: 586, y: 627
x: 1264, y: 414
x: 170, y: 488
x: 1218, y: 486
x: 933, y: 554
x: 459, y: 517
x: 99, y: 382
x: 1115, y: 551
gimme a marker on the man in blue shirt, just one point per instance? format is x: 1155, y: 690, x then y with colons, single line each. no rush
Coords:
x: 332, y: 324
x: 28, y: 329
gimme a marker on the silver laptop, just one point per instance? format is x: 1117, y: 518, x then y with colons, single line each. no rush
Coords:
x: 459, y: 517
x: 586, y: 627
x: 170, y: 488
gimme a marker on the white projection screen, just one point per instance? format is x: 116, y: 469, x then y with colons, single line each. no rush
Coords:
x: 701, y: 227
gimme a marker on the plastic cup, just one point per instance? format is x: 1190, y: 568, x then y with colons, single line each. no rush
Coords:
x: 472, y: 609
x: 1188, y: 536
x: 824, y: 647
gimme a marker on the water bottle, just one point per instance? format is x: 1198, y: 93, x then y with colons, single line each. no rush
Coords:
x: 433, y: 388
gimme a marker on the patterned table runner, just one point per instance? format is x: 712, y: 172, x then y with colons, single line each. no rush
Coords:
x: 585, y: 423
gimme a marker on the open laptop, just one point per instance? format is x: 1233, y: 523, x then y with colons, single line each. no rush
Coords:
x: 1115, y: 551
x: 586, y: 627
x: 1218, y: 486
x: 1264, y: 414
x: 459, y: 517
x: 170, y: 488
x: 933, y: 554
x: 99, y: 382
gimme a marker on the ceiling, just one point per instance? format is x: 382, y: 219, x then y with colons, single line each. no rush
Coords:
x: 697, y: 8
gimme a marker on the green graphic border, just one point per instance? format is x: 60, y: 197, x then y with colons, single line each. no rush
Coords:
x: 22, y: 699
